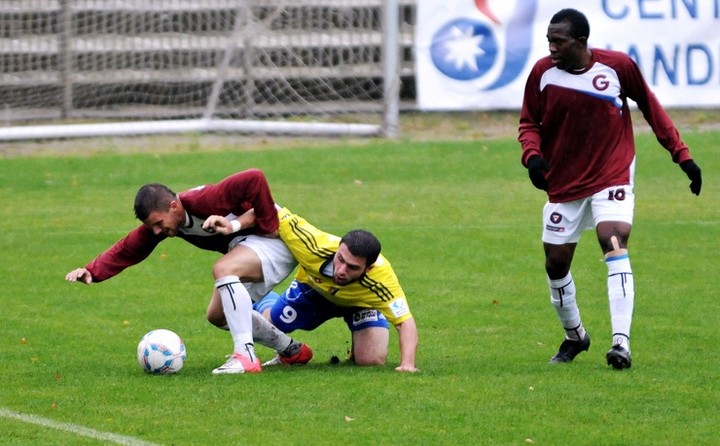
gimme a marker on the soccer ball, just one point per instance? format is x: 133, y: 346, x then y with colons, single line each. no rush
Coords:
x: 161, y: 352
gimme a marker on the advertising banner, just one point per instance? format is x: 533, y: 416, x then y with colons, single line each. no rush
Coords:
x: 476, y: 54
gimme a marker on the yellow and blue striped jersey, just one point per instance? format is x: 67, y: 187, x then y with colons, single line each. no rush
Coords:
x: 378, y: 288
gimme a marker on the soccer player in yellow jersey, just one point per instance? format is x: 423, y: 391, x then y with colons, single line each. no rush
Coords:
x: 343, y: 277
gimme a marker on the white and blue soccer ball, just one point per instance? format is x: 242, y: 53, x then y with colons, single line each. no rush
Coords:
x: 161, y: 352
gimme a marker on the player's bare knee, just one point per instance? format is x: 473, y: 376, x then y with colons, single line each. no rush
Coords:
x: 369, y: 355
x: 557, y: 264
x: 369, y: 359
x: 222, y: 268
x: 615, y: 248
x: 556, y: 270
x: 370, y: 346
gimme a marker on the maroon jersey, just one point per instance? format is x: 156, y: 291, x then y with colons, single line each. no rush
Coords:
x: 233, y: 196
x: 580, y: 124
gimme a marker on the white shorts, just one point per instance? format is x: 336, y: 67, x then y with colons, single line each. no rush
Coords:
x: 277, y: 262
x: 564, y: 222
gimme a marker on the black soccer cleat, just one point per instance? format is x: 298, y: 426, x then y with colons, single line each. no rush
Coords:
x: 569, y: 349
x: 619, y: 358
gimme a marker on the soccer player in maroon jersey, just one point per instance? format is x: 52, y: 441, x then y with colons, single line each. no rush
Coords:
x: 577, y: 144
x: 214, y: 217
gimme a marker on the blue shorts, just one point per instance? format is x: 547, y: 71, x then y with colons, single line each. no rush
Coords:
x: 300, y: 307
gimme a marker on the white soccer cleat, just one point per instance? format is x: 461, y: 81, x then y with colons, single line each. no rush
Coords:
x: 238, y: 363
x: 272, y: 362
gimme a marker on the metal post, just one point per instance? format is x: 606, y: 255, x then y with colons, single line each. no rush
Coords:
x: 391, y: 75
x: 222, y: 69
x: 65, y: 66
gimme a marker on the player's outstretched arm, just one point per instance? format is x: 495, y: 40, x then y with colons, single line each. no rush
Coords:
x: 79, y: 275
x: 408, y: 337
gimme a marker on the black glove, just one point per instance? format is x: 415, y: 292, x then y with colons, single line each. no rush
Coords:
x: 693, y: 172
x: 536, y: 165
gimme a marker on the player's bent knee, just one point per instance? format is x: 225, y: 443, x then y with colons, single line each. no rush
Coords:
x: 241, y: 261
x: 222, y: 268
x: 369, y: 359
x: 370, y: 346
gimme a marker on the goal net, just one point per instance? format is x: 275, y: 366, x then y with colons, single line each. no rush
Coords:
x: 71, y: 68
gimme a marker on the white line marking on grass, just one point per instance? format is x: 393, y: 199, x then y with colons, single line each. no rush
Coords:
x: 73, y: 428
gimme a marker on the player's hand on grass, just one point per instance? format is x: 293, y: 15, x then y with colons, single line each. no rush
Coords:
x: 537, y: 167
x: 693, y: 172
x: 79, y: 275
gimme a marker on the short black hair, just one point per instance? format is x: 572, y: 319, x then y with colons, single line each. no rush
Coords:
x: 152, y: 197
x: 363, y: 244
x: 579, y: 26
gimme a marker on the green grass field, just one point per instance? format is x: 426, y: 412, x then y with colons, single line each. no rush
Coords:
x: 460, y: 222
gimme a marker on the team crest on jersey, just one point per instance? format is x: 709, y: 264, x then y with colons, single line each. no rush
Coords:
x: 555, y: 219
x: 399, y: 307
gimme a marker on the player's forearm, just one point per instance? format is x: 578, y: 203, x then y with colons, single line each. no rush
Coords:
x: 129, y: 251
x: 529, y: 138
x: 408, y: 338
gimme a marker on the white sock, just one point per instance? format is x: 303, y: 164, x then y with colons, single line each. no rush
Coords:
x: 270, y: 336
x: 237, y: 307
x: 621, y: 296
x: 562, y: 297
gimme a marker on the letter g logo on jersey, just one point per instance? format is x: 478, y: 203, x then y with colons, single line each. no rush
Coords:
x: 600, y: 82
x: 468, y: 48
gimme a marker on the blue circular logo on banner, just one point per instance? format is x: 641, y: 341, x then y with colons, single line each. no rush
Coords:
x: 464, y: 49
